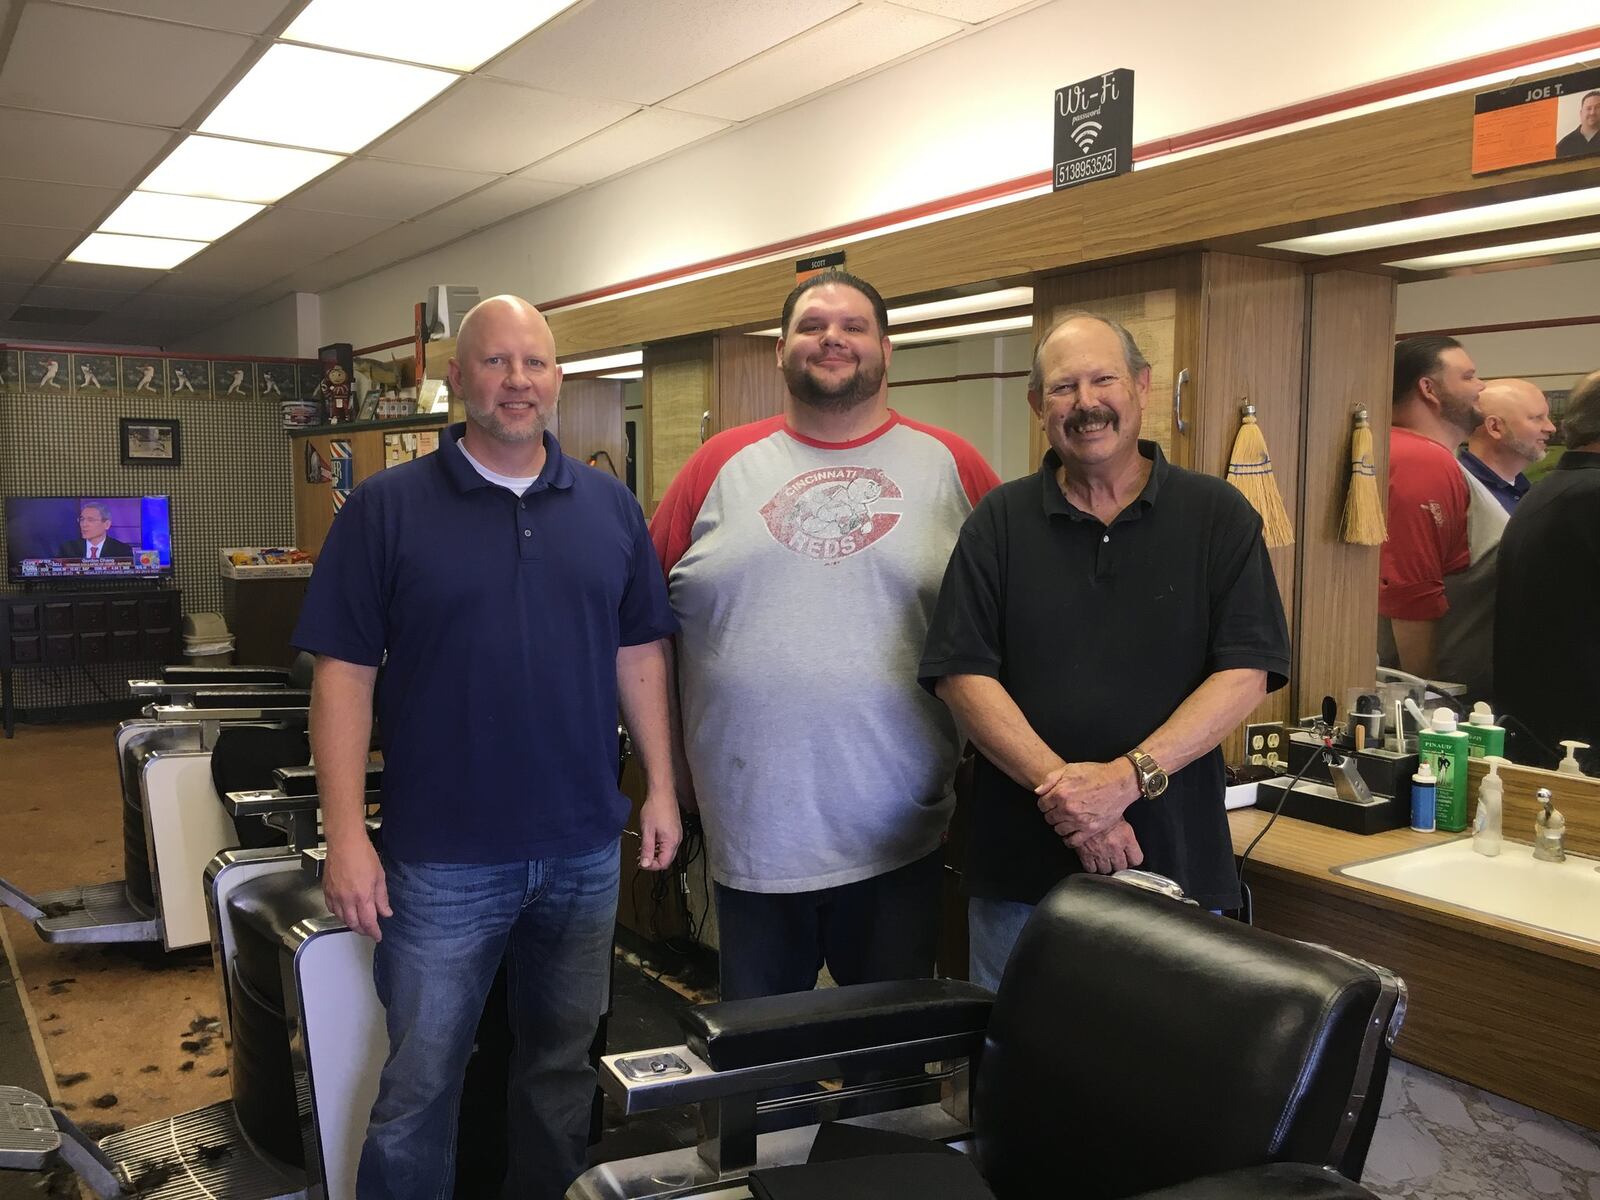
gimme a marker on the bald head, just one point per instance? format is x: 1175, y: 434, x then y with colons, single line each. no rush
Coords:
x: 1516, y: 428
x: 497, y: 310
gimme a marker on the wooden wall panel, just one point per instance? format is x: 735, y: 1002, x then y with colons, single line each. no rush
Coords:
x: 677, y: 394
x: 749, y: 386
x: 1351, y: 360
x: 589, y: 418
x: 1253, y: 346
x: 313, y: 502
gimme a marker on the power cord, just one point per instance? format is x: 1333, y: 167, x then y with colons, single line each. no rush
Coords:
x: 1323, y: 729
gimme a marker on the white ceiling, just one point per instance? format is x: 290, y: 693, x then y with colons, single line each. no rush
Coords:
x: 94, y: 93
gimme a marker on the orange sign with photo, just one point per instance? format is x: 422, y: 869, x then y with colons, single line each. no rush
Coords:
x: 1536, y: 122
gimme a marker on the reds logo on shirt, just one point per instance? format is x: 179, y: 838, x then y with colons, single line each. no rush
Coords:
x: 832, y: 513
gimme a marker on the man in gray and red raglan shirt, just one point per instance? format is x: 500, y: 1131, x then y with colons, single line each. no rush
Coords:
x: 803, y: 557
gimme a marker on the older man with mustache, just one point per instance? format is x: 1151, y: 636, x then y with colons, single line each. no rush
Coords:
x: 1103, y: 624
x: 803, y: 555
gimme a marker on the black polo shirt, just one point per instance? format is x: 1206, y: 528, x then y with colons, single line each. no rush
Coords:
x: 1546, y: 649
x: 1099, y: 633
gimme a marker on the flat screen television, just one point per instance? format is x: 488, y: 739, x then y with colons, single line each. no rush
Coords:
x: 72, y: 539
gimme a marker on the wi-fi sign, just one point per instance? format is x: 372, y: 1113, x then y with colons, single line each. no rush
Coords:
x: 1086, y: 134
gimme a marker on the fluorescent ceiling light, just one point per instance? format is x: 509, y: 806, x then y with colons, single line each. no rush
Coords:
x: 974, y: 329
x: 958, y: 306
x: 224, y: 170
x: 1483, y: 218
x: 154, y: 214
x: 297, y: 96
x: 121, y: 250
x: 631, y: 358
x: 1491, y: 254
x: 639, y: 374
x: 461, y: 36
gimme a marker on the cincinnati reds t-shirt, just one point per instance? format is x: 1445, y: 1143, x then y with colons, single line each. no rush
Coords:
x: 803, y: 575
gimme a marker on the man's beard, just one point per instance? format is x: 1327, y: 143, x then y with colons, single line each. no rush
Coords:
x: 850, y: 392
x: 1527, y: 449
x: 1463, y: 414
x: 488, y: 420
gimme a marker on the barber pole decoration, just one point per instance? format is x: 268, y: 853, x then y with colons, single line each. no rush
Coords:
x: 344, y: 472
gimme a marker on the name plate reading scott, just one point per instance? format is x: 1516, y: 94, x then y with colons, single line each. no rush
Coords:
x: 1093, y: 129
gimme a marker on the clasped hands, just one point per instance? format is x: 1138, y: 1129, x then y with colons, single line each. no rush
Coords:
x: 1084, y: 803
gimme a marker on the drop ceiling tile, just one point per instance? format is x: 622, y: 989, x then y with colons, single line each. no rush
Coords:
x: 385, y: 250
x: 56, y: 205
x: 62, y: 297
x: 367, y: 187
x: 639, y: 138
x: 76, y: 150
x: 213, y: 288
x: 103, y: 276
x: 845, y: 47
x: 97, y: 64
x: 970, y: 11
x: 242, y: 16
x: 482, y: 125
x: 247, y: 267
x: 22, y: 270
x: 165, y: 308
x: 11, y: 295
x: 30, y: 333
x: 495, y: 203
x: 646, y: 50
x: 305, y: 235
x: 31, y: 241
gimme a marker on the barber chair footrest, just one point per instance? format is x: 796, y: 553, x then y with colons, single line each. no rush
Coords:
x: 198, y: 1154
x: 97, y: 912
x: 1274, y: 1181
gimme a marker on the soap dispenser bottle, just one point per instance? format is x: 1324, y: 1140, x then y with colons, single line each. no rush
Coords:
x: 1549, y: 829
x: 1569, y: 764
x: 1484, y: 737
x: 1486, y: 824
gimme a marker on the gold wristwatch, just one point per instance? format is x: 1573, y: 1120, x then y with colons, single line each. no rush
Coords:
x: 1152, y: 779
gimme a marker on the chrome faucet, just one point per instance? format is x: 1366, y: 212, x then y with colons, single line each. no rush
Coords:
x: 1549, y: 830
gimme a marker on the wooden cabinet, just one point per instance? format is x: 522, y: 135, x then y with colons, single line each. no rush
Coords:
x: 65, y: 629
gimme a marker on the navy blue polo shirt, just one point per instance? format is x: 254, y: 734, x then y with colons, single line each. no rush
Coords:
x: 497, y: 619
x: 1508, y: 494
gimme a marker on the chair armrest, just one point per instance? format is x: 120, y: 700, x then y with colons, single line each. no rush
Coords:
x: 302, y: 781
x: 197, y: 675
x: 265, y: 697
x: 734, y: 1034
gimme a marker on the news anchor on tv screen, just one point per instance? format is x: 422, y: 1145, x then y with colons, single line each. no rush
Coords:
x: 94, y: 540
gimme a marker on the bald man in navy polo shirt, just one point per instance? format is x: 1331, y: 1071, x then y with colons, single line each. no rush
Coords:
x: 513, y: 597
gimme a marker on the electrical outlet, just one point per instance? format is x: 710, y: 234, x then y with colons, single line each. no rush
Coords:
x: 1266, y: 744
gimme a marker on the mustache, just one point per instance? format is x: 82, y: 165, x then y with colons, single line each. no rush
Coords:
x: 1084, y: 417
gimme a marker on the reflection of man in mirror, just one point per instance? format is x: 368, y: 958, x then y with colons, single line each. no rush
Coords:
x: 94, y: 540
x: 1585, y: 139
x: 1546, y: 652
x: 1515, y: 433
x: 146, y: 377
x: 1436, y: 571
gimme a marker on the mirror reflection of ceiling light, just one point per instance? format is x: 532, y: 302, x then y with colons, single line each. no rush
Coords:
x: 1485, y: 217
x: 122, y: 250
x: 956, y: 306
x: 461, y: 38
x: 975, y: 329
x: 225, y: 170
x: 299, y: 96
x: 630, y: 358
x: 1491, y: 254
x: 190, y: 218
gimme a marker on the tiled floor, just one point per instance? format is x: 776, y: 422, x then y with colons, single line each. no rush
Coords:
x: 1438, y: 1139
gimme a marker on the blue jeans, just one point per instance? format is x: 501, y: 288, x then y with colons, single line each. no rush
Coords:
x: 993, y: 927
x: 553, y: 921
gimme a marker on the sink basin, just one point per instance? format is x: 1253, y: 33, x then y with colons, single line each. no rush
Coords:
x: 1558, y: 897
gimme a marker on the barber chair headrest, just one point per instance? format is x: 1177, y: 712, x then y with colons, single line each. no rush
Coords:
x: 1137, y: 1042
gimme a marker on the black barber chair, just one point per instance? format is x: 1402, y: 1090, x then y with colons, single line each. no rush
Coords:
x: 1138, y: 1047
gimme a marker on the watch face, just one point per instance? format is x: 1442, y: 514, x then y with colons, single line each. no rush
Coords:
x: 1155, y: 783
